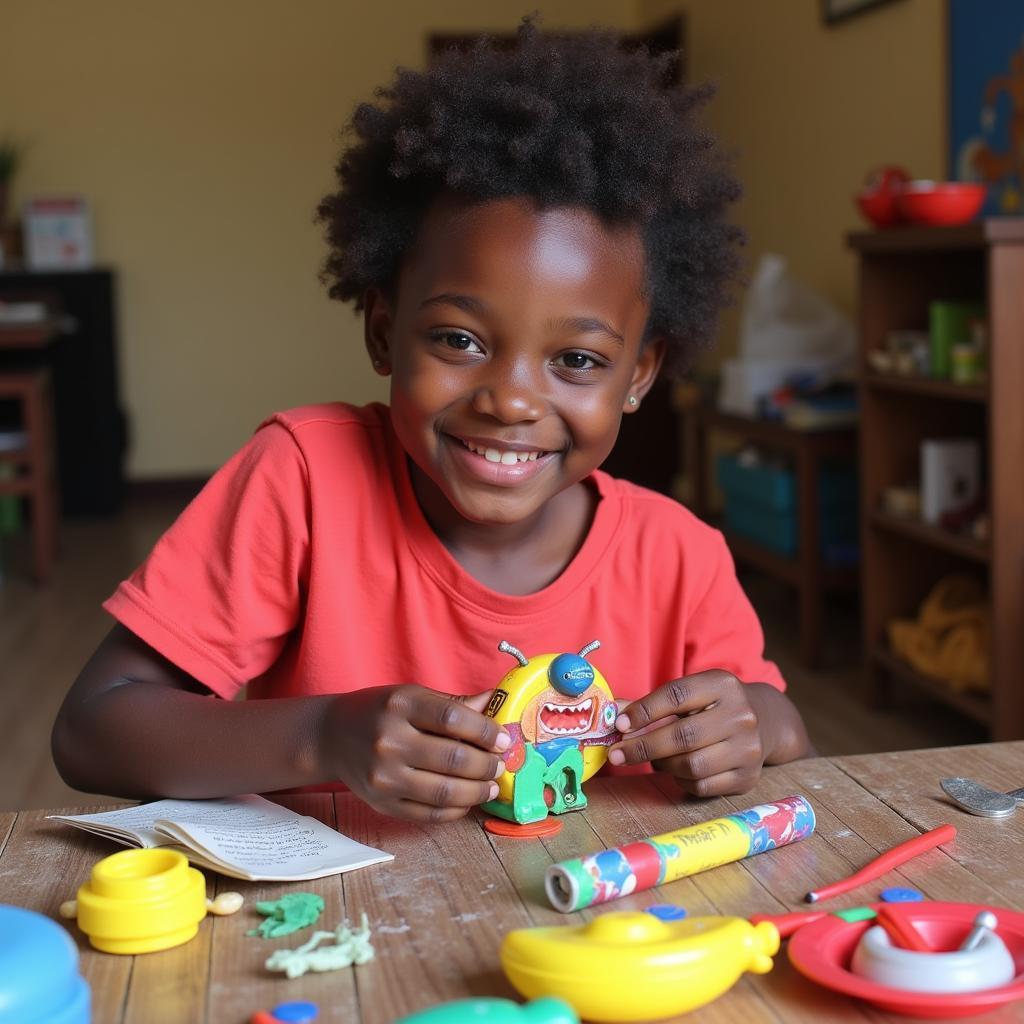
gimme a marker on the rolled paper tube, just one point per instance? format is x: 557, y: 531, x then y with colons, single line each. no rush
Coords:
x: 574, y: 884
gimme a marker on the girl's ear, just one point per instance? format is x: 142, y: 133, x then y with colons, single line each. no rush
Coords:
x: 648, y: 364
x: 377, y: 330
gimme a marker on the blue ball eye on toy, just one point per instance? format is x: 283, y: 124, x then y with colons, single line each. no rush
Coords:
x: 570, y: 674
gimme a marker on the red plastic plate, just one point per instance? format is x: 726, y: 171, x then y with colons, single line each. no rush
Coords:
x: 822, y: 951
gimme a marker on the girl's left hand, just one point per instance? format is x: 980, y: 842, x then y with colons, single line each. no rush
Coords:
x: 702, y: 729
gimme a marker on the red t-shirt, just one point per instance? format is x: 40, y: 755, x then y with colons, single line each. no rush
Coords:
x: 305, y: 566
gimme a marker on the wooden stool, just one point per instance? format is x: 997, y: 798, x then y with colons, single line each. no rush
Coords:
x: 34, y: 471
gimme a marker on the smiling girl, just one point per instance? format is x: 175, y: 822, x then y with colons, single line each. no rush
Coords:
x: 530, y: 236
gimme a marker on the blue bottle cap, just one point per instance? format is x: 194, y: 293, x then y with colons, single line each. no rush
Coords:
x: 667, y: 911
x: 39, y: 979
x: 898, y: 895
x: 295, y: 1013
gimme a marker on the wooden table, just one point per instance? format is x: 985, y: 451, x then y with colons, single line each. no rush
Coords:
x: 440, y: 909
x: 808, y: 450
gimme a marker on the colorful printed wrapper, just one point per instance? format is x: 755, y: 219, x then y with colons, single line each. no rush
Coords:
x: 606, y: 875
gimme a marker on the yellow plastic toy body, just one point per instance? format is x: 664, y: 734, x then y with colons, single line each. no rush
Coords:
x: 560, y: 713
x: 632, y: 966
x: 139, y: 901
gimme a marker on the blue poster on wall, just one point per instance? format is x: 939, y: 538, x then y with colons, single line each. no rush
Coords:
x: 986, y: 99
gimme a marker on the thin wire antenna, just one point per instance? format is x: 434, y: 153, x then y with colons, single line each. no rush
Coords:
x: 506, y: 648
x: 592, y: 646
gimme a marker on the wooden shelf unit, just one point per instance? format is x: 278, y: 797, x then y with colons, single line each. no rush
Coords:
x: 936, y: 536
x: 927, y: 386
x: 975, y: 707
x: 902, y: 270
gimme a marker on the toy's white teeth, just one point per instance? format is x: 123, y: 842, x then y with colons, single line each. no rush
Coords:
x: 577, y: 714
x: 570, y: 709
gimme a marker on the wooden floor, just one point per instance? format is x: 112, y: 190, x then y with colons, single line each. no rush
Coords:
x: 46, y: 634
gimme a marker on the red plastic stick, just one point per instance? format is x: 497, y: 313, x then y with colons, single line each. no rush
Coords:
x: 901, y: 930
x: 788, y: 923
x: 886, y: 862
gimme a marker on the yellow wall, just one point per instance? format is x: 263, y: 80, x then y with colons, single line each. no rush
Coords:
x: 203, y: 133
x: 809, y: 109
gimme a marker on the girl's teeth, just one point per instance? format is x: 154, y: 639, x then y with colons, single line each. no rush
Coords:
x: 505, y: 458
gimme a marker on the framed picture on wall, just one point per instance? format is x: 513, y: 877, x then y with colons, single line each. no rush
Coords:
x: 58, y: 233
x: 839, y: 10
x: 986, y: 100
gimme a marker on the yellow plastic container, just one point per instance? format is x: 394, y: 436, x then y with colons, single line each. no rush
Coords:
x: 139, y: 901
x: 626, y: 966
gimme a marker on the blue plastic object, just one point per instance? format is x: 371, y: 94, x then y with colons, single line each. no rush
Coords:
x: 39, y: 979
x: 296, y: 1013
x: 761, y: 505
x: 667, y: 911
x: 774, y: 486
x: 898, y: 895
x: 548, y: 1010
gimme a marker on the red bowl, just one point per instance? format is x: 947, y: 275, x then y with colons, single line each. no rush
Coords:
x: 880, y: 208
x: 941, y: 202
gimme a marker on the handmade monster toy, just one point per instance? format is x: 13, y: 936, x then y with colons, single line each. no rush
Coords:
x: 561, y: 715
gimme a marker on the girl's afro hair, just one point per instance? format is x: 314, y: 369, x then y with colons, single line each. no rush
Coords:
x: 566, y: 120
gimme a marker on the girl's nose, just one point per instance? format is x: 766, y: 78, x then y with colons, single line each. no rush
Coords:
x: 510, y: 398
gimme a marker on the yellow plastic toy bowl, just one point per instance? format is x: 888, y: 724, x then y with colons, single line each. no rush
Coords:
x: 139, y: 901
x: 523, y: 685
x: 626, y: 966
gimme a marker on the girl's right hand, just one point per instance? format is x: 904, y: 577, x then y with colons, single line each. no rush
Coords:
x: 414, y: 753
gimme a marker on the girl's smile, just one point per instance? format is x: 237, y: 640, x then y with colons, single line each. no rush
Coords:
x: 514, y: 339
x: 501, y: 463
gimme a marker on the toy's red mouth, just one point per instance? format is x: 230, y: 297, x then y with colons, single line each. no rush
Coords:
x: 567, y: 719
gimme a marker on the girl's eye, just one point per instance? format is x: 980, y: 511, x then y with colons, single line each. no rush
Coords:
x: 578, y: 361
x: 458, y: 340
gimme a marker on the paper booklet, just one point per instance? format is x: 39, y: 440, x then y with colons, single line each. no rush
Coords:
x: 243, y: 836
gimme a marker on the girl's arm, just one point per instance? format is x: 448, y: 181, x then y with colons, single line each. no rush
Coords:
x: 135, y: 725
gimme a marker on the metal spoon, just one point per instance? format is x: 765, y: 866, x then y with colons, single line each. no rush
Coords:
x: 978, y: 799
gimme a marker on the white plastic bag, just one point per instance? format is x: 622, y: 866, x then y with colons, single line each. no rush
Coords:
x: 784, y: 319
x: 787, y: 330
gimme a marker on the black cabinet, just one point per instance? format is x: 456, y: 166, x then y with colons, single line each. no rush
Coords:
x: 90, y: 424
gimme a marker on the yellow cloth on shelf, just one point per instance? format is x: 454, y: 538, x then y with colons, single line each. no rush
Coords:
x: 950, y: 638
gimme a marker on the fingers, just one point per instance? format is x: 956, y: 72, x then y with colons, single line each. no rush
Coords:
x: 692, y: 731
x: 444, y: 791
x: 442, y: 715
x: 671, y: 737
x: 412, y: 811
x: 450, y: 757
x: 708, y: 762
x: 476, y: 701
x: 679, y: 697
x: 728, y: 783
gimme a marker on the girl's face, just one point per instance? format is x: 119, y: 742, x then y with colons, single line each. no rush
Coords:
x: 514, y: 343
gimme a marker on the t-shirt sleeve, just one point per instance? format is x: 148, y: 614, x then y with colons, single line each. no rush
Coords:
x: 221, y: 592
x: 724, y: 631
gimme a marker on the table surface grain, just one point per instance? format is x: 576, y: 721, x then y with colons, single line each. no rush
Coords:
x: 441, y: 908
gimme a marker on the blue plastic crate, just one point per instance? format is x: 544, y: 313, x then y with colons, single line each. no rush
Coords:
x: 760, y: 504
x: 775, y: 486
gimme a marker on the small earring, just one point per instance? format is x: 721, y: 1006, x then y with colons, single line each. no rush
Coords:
x: 377, y: 364
x: 633, y: 401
